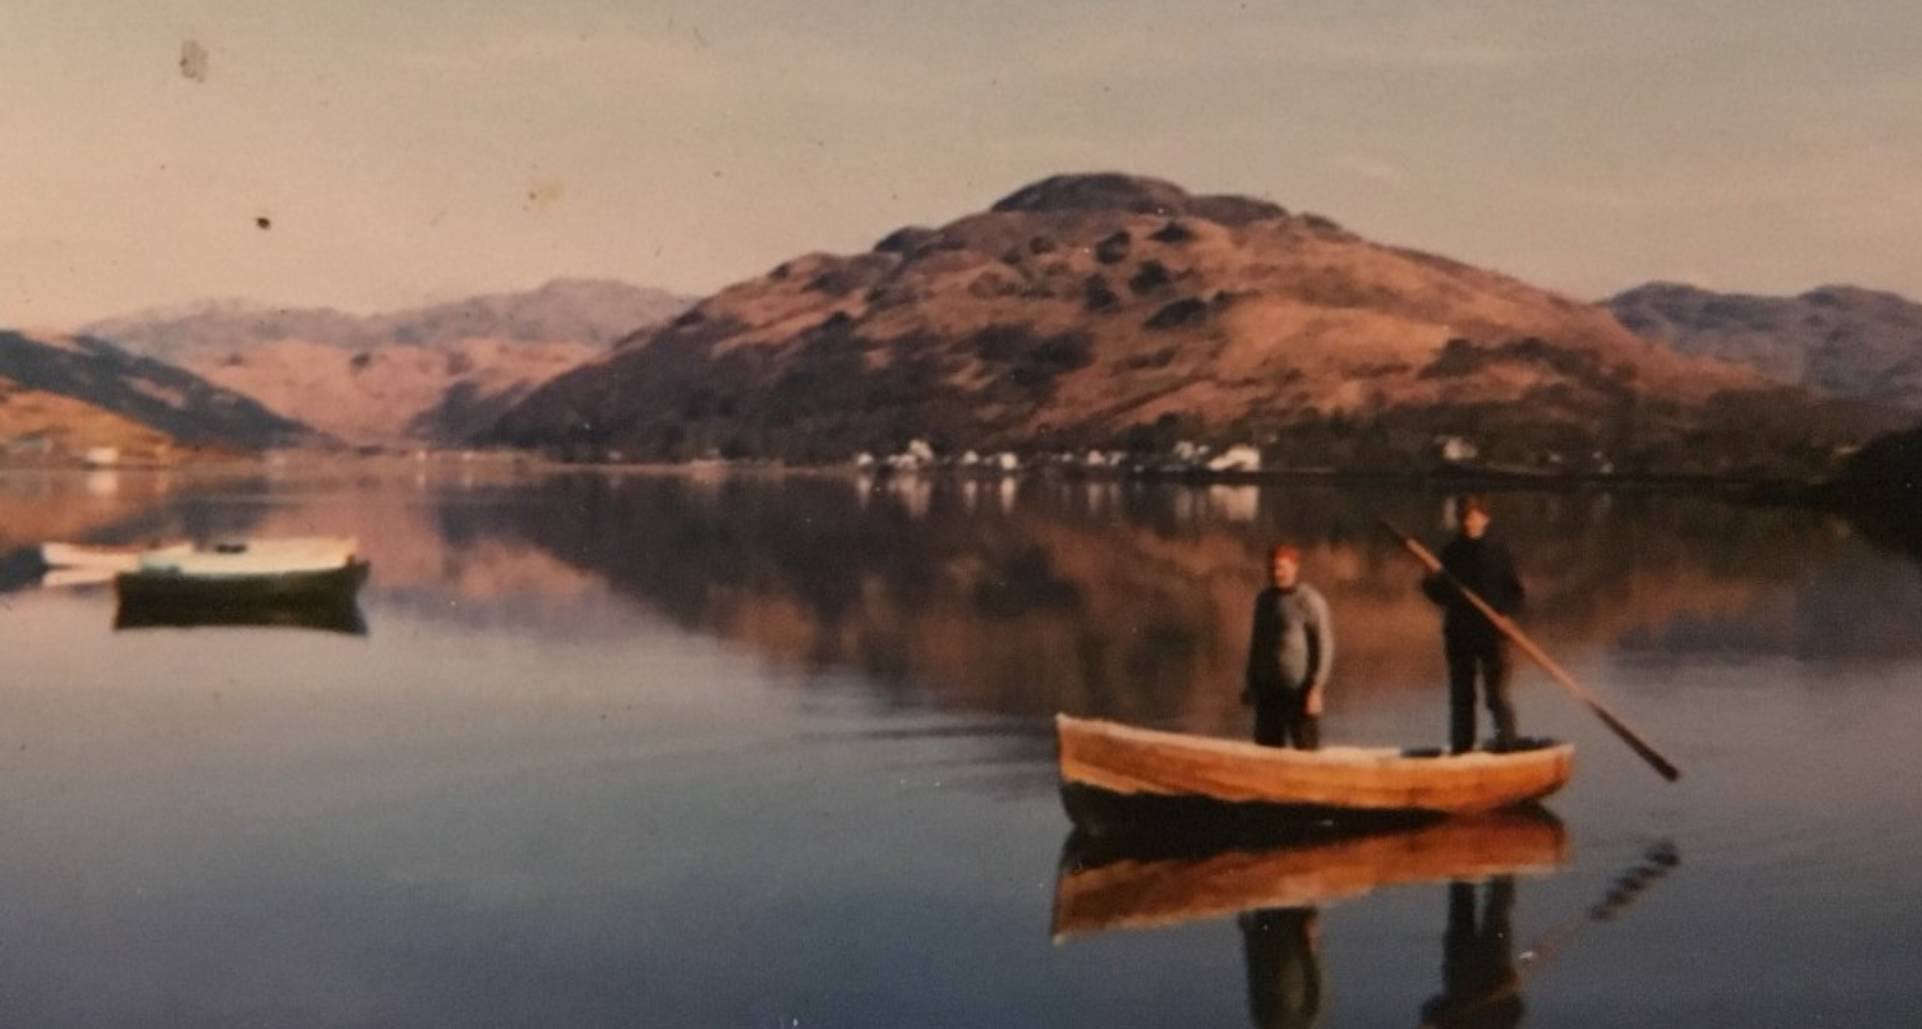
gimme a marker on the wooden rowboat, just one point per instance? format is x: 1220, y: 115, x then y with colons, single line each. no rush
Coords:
x: 1100, y: 888
x: 1108, y: 768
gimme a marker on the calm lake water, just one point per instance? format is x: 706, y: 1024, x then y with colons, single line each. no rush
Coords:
x: 651, y: 750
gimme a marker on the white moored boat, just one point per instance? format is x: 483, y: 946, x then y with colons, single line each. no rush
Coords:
x: 254, y: 558
x: 104, y: 559
x: 231, y: 576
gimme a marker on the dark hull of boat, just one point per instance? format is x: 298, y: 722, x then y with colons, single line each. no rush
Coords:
x: 1147, y: 816
x: 339, y: 614
x: 238, y: 593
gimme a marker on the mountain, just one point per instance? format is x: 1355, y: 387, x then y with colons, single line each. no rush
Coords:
x: 1848, y: 342
x: 1109, y: 310
x: 591, y: 311
x: 62, y: 395
x: 435, y: 374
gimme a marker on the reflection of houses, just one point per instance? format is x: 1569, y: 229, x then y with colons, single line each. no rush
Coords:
x: 1235, y: 503
x: 101, y: 482
x: 915, y: 493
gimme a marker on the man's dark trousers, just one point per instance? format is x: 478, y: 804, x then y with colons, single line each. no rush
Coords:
x: 1280, y: 721
x: 1487, y: 659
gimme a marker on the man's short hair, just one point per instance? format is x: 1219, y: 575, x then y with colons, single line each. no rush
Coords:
x: 1469, y: 502
x: 1287, y: 550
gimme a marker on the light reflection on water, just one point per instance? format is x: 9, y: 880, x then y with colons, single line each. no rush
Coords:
x: 739, y: 751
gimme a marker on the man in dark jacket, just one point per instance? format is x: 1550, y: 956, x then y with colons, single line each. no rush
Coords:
x: 1472, y: 643
x: 1290, y: 652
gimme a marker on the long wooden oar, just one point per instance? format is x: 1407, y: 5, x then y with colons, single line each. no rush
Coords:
x: 1662, y: 765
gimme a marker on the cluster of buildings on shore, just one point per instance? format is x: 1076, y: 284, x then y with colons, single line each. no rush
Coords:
x: 1185, y: 457
x: 53, y: 449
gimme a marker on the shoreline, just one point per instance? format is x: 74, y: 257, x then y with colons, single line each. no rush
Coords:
x: 1793, y: 492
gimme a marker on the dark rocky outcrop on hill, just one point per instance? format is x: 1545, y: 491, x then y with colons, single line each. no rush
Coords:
x: 1113, y: 311
x: 1135, y: 195
x: 1854, y: 343
x: 102, y: 395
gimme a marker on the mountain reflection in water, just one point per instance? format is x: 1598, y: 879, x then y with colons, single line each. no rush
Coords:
x: 1023, y: 597
x: 1132, y: 599
x: 1027, y: 597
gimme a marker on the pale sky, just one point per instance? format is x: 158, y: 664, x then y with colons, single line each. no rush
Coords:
x: 413, y: 150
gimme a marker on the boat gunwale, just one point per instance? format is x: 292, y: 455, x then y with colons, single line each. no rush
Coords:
x: 1367, y: 758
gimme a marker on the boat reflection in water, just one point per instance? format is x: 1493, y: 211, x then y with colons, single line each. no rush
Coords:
x: 1277, y: 886
x: 1133, y: 883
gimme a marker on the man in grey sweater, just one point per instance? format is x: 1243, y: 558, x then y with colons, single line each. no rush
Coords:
x: 1290, y: 652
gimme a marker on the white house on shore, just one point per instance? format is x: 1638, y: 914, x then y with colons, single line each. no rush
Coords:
x: 1456, y: 450
x: 1238, y: 458
x: 1190, y: 452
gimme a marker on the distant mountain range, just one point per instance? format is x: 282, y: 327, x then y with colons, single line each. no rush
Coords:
x: 1100, y: 311
x: 63, y: 395
x: 432, y: 374
x: 1115, y: 311
x: 1848, y: 342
